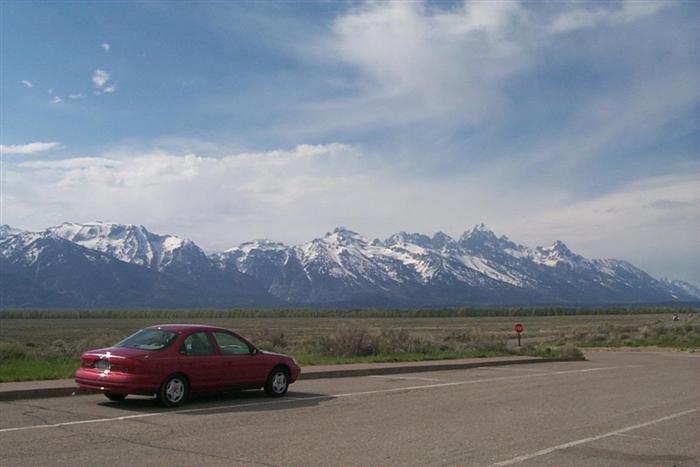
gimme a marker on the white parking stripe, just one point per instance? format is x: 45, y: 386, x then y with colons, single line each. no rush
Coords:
x: 405, y: 377
x: 295, y: 399
x: 505, y: 368
x: 543, y: 452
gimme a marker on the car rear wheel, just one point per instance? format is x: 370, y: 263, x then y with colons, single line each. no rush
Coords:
x: 174, y: 391
x: 115, y: 397
x: 277, y: 382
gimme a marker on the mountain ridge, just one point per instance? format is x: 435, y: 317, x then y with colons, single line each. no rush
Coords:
x: 340, y: 269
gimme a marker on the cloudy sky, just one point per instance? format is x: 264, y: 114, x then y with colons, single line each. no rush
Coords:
x: 223, y: 122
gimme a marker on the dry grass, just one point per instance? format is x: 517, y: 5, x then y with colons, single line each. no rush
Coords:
x: 338, y: 339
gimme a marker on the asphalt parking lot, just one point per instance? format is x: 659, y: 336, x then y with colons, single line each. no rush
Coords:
x: 617, y: 408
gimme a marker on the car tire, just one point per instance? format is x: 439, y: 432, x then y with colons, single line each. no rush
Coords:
x: 277, y: 382
x: 174, y: 391
x: 115, y: 397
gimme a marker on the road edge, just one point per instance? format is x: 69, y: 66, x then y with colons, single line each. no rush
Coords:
x: 420, y: 367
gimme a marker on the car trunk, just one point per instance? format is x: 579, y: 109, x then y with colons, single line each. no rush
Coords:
x: 119, y: 359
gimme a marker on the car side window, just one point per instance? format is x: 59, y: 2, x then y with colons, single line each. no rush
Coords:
x: 197, y: 343
x: 230, y: 344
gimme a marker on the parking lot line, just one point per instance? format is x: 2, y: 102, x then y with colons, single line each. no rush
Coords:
x: 498, y: 368
x: 295, y: 399
x: 405, y: 377
x: 542, y: 452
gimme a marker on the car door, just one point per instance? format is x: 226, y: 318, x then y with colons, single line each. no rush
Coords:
x: 200, y: 362
x: 244, y: 367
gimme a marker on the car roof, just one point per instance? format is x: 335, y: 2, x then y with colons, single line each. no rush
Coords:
x: 188, y: 327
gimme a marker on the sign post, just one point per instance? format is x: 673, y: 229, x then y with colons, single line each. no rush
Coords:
x: 518, y: 329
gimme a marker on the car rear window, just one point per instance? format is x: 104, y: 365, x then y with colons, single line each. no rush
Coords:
x: 148, y: 339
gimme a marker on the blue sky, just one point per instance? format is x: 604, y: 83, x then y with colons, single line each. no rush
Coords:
x: 224, y: 122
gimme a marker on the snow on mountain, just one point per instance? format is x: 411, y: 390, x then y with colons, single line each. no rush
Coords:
x: 342, y: 268
x: 40, y: 269
x: 343, y: 261
x: 126, y: 242
x: 7, y: 231
x: 23, y: 248
x: 682, y: 287
x: 556, y: 254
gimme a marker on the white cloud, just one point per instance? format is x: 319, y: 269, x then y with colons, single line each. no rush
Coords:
x: 629, y: 11
x: 106, y: 47
x: 76, y: 96
x: 71, y: 164
x: 417, y: 63
x: 293, y: 195
x: 100, y: 78
x: 29, y: 84
x: 56, y: 100
x: 652, y: 222
x: 30, y: 148
x: 413, y: 62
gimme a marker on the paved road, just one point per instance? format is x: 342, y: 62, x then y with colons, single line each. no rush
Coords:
x: 618, y: 408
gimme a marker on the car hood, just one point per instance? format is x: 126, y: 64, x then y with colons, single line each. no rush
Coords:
x: 274, y: 354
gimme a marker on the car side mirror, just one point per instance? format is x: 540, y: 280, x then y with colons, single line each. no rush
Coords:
x: 253, y: 351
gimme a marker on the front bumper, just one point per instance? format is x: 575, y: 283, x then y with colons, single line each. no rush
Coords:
x: 295, y: 371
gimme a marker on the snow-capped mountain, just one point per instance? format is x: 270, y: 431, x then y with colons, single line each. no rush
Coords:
x: 112, y: 265
x: 410, y: 268
x: 129, y: 243
x: 44, y: 270
x: 682, y: 288
x: 7, y: 231
x: 105, y: 264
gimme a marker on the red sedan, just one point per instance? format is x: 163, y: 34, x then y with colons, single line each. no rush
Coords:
x: 174, y: 360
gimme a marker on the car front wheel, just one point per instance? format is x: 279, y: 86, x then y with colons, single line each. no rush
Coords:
x: 277, y: 383
x: 174, y: 391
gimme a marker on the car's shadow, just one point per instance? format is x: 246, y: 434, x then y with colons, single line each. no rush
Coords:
x: 234, y: 401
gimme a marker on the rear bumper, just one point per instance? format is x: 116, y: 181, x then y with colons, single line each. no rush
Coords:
x: 119, y: 383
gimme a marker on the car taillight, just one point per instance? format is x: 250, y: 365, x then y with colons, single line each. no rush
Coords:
x: 87, y: 361
x: 126, y: 365
x: 101, y: 364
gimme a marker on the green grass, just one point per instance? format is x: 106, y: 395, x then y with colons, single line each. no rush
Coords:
x: 46, y: 346
x: 31, y: 369
x: 682, y: 337
x: 683, y: 334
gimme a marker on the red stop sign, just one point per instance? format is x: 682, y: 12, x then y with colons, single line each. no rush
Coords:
x: 519, y: 328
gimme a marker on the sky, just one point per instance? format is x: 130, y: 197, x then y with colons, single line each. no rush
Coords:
x: 228, y: 121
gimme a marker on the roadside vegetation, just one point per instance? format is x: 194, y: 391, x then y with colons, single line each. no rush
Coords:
x: 349, y: 343
x: 464, y: 312
x: 46, y: 345
x: 682, y: 336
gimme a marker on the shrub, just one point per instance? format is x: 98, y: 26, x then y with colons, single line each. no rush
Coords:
x: 12, y: 351
x: 348, y: 341
x: 271, y: 340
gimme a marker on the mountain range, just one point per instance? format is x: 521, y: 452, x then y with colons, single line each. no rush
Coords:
x: 108, y: 265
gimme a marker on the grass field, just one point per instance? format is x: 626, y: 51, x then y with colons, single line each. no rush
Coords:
x: 48, y: 347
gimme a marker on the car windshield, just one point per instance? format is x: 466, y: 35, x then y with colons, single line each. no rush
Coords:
x: 148, y: 339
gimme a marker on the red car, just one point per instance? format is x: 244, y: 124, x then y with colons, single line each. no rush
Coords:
x: 174, y: 360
